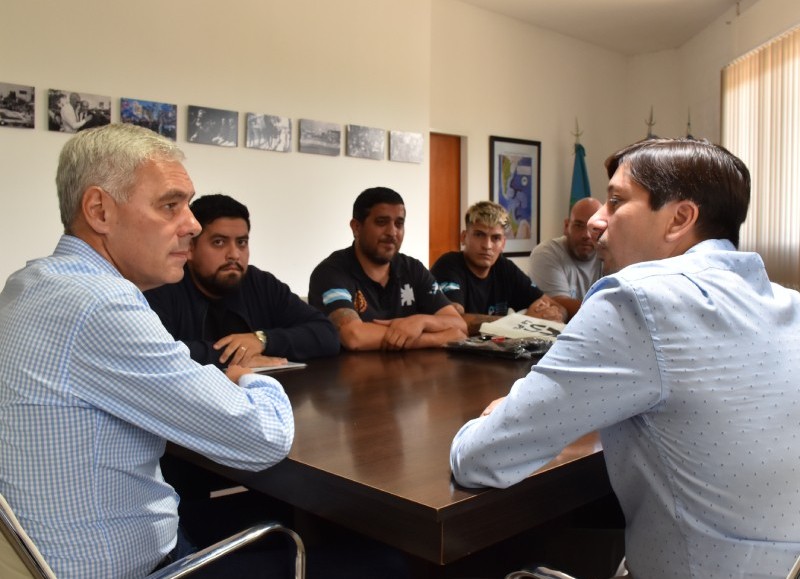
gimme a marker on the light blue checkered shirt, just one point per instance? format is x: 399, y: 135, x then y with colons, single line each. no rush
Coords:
x: 91, y: 385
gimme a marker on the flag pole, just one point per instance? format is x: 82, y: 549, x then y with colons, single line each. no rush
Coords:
x: 578, y: 132
x: 580, y: 178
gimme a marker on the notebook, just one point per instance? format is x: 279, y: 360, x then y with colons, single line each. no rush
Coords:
x: 522, y: 326
x: 281, y: 368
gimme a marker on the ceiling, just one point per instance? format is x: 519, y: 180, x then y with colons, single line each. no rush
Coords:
x: 626, y: 26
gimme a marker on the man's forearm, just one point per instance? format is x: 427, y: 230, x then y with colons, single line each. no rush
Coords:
x: 359, y: 335
x: 548, y: 309
x: 571, y: 304
x: 436, y: 339
x: 424, y: 331
x: 474, y: 322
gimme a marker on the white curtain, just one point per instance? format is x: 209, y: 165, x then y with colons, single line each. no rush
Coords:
x: 761, y: 125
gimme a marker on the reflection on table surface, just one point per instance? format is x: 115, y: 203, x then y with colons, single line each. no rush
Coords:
x: 371, y: 452
x: 387, y: 418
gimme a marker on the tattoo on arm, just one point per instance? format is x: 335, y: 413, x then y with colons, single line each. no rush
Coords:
x: 343, y: 316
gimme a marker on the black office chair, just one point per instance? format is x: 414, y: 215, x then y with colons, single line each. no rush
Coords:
x: 20, y: 559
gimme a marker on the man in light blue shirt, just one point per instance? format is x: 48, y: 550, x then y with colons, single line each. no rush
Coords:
x: 685, y: 357
x: 92, y: 385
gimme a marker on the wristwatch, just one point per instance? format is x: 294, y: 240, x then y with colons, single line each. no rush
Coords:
x: 262, y: 337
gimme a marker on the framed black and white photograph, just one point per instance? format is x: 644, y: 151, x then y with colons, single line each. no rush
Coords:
x: 514, y: 184
x: 406, y: 147
x: 366, y: 142
x: 320, y: 138
x: 17, y: 105
x: 70, y: 111
x: 159, y: 117
x: 268, y: 133
x: 209, y: 126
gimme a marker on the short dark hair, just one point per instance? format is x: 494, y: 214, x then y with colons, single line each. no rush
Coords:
x: 368, y: 198
x: 694, y: 170
x: 211, y: 207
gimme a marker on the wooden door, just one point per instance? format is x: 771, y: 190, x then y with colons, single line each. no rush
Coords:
x: 445, y: 195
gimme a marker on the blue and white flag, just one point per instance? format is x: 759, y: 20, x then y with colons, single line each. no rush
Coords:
x: 580, y: 179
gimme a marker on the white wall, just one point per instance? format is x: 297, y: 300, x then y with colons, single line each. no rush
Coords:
x: 695, y: 68
x: 415, y: 65
x: 346, y: 61
x: 728, y: 38
x: 492, y: 75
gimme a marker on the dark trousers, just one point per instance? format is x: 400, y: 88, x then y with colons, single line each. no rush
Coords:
x: 274, y: 556
x: 333, y: 553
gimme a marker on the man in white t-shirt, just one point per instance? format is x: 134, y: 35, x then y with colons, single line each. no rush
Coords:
x: 565, y: 268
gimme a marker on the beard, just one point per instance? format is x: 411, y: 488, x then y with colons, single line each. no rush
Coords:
x: 377, y: 256
x: 223, y: 282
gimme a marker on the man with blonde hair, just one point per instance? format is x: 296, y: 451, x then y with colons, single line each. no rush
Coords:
x: 481, y: 282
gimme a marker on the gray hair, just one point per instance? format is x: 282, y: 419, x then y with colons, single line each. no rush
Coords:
x: 106, y: 157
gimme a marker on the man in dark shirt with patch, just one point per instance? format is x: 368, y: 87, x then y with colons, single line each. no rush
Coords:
x: 377, y: 297
x: 481, y: 282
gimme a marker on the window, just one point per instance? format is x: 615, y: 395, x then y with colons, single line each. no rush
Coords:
x: 761, y: 125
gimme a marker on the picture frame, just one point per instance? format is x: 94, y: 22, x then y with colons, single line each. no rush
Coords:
x: 514, y: 183
x: 365, y: 142
x: 161, y: 118
x: 69, y: 111
x: 209, y: 126
x: 268, y: 132
x: 406, y: 146
x: 17, y: 105
x: 320, y: 138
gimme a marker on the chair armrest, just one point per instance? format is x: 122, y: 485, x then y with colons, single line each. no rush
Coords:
x: 539, y: 572
x: 795, y: 572
x: 205, y: 556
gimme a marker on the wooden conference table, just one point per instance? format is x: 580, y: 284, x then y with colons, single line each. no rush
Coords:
x: 371, y: 453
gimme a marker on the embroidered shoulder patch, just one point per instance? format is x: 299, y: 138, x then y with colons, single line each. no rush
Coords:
x: 360, y: 303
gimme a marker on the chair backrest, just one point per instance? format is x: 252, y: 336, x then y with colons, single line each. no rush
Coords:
x: 19, y: 557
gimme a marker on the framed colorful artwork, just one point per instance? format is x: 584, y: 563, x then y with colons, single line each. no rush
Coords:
x: 514, y: 184
x: 159, y: 117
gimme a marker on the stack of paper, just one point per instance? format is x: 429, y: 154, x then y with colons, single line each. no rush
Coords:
x: 522, y: 326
